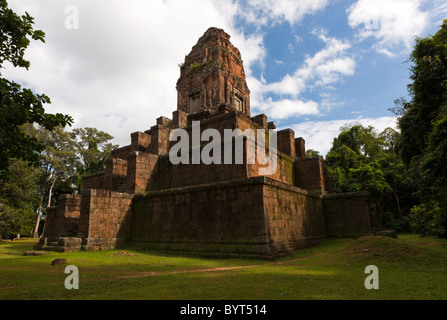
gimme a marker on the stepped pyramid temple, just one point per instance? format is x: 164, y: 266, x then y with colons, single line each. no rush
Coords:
x: 221, y: 208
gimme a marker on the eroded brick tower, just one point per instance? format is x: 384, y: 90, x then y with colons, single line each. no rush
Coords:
x: 213, y: 75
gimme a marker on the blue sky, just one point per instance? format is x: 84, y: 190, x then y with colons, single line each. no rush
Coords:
x: 311, y: 65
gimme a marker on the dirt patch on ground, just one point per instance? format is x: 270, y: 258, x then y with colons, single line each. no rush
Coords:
x: 151, y: 274
x: 383, y: 248
x: 122, y: 253
x: 428, y: 244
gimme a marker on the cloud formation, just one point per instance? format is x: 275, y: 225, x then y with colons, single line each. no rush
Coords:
x: 393, y: 23
x: 325, y: 68
x: 264, y: 12
x: 118, y: 71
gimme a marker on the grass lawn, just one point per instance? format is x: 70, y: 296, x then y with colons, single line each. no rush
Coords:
x: 410, y: 267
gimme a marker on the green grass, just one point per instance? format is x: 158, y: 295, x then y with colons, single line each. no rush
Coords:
x: 409, y: 268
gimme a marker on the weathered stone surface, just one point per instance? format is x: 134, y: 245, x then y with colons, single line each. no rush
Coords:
x: 213, y: 74
x: 63, y: 220
x: 59, y: 261
x: 349, y: 214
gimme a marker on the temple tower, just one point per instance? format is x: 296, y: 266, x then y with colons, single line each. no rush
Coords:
x: 213, y: 75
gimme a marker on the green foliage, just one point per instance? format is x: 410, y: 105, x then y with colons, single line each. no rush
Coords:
x: 196, y: 66
x: 64, y: 159
x: 363, y: 160
x: 409, y: 167
x: 70, y: 155
x: 93, y: 149
x: 312, y: 153
x: 369, y: 177
x: 18, y: 105
x: 423, y: 123
x: 14, y: 35
x: 428, y: 219
x: 15, y: 221
x: 18, y: 198
x: 436, y: 157
x: 428, y: 92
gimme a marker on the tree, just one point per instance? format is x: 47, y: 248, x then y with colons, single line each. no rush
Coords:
x: 66, y: 157
x: 363, y: 160
x: 428, y: 94
x: 19, y: 105
x: 436, y: 156
x: 18, y: 198
x: 423, y: 124
x: 58, y: 161
x: 93, y: 149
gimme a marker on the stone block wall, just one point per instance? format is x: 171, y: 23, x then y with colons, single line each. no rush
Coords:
x: 349, y: 214
x: 286, y: 142
x: 115, y: 175
x: 141, y: 167
x: 223, y: 218
x: 179, y: 119
x: 122, y: 152
x: 107, y: 216
x: 159, y: 139
x: 94, y: 181
x: 294, y: 217
x: 63, y: 219
x: 251, y: 217
x: 310, y: 173
x: 175, y: 176
x: 152, y: 170
x: 139, y: 141
x: 300, y: 148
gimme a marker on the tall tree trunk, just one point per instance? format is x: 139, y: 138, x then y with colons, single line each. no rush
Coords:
x: 398, y: 203
x: 50, y: 192
x: 36, y: 228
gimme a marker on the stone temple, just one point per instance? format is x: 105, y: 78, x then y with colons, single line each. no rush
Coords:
x: 145, y: 200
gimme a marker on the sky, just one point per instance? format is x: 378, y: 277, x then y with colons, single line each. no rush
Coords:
x: 311, y: 65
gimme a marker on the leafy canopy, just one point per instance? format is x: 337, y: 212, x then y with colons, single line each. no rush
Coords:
x: 20, y: 105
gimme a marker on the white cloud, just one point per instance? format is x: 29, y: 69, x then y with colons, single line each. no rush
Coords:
x: 286, y: 108
x: 279, y: 62
x: 118, y: 71
x: 325, y: 68
x: 263, y: 12
x: 319, y: 135
x: 392, y: 23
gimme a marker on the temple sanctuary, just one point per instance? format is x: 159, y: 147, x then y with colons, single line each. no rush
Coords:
x: 216, y: 209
